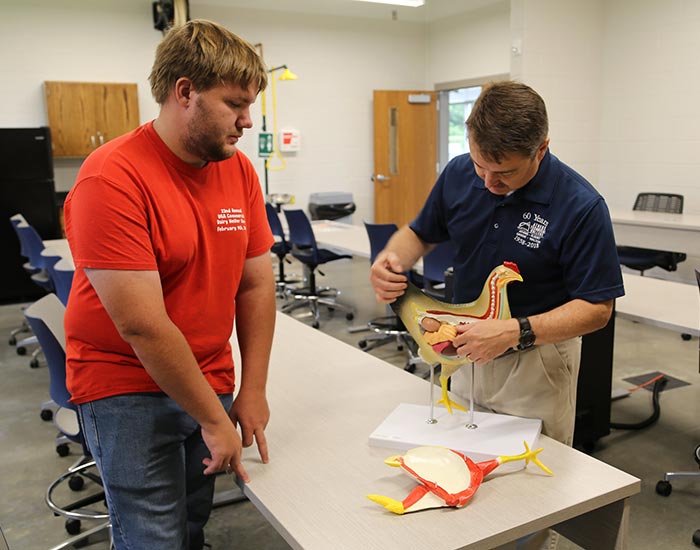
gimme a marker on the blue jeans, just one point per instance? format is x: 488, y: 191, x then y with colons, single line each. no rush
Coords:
x: 149, y: 453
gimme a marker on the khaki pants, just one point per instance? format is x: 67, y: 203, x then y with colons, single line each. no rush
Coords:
x: 536, y: 383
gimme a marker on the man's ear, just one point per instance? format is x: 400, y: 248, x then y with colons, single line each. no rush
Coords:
x: 183, y: 90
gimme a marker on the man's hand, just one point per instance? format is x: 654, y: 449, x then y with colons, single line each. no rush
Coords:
x: 251, y: 411
x: 386, y: 277
x: 225, y: 447
x: 483, y: 341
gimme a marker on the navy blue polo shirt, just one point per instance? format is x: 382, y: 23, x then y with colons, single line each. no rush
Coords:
x: 557, y: 229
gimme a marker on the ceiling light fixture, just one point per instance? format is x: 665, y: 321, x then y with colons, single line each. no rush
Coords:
x: 409, y: 3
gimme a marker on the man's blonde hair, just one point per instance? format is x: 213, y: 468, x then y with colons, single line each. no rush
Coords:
x: 207, y: 54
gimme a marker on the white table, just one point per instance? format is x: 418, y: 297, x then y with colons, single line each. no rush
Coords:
x: 666, y: 304
x: 352, y: 238
x: 657, y: 230
x: 57, y: 247
x: 326, y: 397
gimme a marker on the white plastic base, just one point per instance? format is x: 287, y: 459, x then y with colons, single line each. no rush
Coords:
x: 496, y: 434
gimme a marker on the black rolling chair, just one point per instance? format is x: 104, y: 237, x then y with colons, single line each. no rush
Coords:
x: 435, y: 264
x: 305, y: 249
x: 641, y: 259
x: 664, y: 487
x: 45, y: 316
x: 388, y: 329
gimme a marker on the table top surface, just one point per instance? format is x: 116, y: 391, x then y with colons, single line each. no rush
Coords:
x: 666, y: 304
x: 690, y: 222
x: 326, y: 398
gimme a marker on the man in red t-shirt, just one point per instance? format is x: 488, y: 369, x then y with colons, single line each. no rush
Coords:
x: 169, y: 235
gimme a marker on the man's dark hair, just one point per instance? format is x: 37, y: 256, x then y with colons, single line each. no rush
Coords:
x: 508, y: 117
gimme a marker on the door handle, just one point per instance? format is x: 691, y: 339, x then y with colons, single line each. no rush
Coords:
x: 380, y: 177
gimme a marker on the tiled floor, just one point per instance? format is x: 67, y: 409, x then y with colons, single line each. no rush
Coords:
x: 29, y: 463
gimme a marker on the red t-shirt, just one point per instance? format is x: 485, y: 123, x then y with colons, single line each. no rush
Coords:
x: 137, y: 206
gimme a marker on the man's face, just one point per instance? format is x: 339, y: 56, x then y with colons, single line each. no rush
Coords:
x: 513, y: 172
x: 216, y: 121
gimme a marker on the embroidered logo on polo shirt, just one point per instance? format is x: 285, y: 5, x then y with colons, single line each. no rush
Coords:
x: 231, y: 219
x: 531, y: 230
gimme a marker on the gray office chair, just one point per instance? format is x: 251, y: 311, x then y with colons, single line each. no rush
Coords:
x: 664, y: 487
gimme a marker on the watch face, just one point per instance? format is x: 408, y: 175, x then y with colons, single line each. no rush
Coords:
x: 527, y: 338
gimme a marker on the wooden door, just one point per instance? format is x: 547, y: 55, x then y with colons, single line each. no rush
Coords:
x: 405, y: 153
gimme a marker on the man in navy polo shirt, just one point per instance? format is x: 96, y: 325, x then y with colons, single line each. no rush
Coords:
x: 510, y: 199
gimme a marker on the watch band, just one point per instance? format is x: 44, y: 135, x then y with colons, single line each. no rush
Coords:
x: 527, y: 335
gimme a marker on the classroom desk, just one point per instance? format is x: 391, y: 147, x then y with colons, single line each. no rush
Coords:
x: 326, y: 397
x: 666, y: 304
x: 57, y: 247
x: 657, y: 230
x: 352, y: 238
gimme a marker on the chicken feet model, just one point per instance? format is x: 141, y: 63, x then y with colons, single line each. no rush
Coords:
x: 446, y: 477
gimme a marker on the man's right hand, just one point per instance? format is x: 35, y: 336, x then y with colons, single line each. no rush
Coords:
x: 225, y: 447
x: 386, y: 276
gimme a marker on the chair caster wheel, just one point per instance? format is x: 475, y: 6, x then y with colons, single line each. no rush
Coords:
x: 410, y: 368
x: 62, y: 449
x: 76, y: 483
x: 315, y: 324
x: 349, y: 316
x: 12, y: 341
x: 696, y: 538
x: 73, y: 526
x: 697, y: 454
x: 34, y: 364
x: 46, y: 414
x: 664, y: 488
x: 21, y: 350
x: 362, y: 344
x: 686, y: 336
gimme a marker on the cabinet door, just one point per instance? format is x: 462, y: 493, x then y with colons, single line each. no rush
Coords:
x: 84, y: 115
x: 118, y: 110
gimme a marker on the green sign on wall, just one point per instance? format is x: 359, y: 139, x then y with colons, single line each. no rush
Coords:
x: 264, y: 144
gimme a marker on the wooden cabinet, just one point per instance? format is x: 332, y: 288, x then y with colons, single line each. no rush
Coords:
x: 84, y: 115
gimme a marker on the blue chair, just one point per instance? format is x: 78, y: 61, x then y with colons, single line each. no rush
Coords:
x: 61, y: 274
x: 45, y: 316
x: 435, y: 264
x: 305, y: 249
x: 281, y: 249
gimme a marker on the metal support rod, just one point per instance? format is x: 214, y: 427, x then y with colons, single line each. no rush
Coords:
x: 471, y: 425
x: 432, y: 419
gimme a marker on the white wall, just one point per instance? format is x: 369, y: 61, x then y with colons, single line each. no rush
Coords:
x: 99, y: 41
x: 469, y: 45
x: 650, y: 131
x: 339, y: 61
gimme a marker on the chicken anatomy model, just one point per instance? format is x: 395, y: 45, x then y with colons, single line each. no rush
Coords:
x: 432, y: 323
x: 445, y: 477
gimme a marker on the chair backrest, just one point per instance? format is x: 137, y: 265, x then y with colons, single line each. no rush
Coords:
x: 301, y: 234
x: 274, y: 220
x: 379, y: 234
x: 45, y: 317
x: 659, y: 202
x: 32, y: 244
x: 436, y: 262
x: 62, y: 276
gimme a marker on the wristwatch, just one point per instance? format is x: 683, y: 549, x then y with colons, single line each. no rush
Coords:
x: 527, y: 336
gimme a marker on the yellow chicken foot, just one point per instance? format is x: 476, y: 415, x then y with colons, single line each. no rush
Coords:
x: 446, y: 398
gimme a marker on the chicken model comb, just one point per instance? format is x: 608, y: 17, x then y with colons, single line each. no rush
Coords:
x: 445, y: 477
x: 432, y: 322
